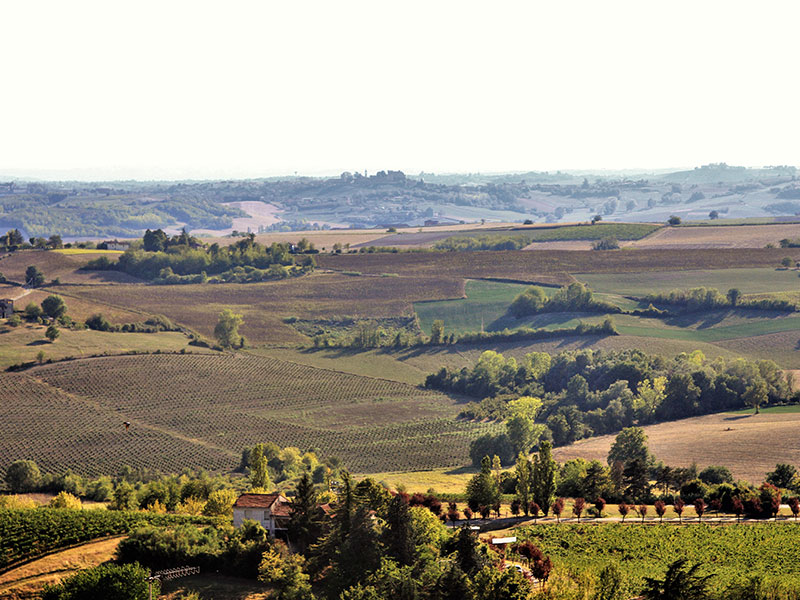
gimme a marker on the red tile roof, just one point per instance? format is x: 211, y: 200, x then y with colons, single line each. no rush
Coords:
x: 260, y: 501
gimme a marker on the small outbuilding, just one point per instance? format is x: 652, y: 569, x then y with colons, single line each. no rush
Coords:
x: 272, y: 511
x: 6, y: 308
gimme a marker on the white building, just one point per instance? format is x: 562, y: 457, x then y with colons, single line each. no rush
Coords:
x: 272, y: 511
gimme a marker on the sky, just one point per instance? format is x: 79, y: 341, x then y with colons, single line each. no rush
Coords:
x: 203, y: 90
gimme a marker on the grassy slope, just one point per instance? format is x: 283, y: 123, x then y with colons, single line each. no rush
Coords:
x: 749, y: 281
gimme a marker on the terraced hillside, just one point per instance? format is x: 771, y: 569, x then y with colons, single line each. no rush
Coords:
x: 200, y: 411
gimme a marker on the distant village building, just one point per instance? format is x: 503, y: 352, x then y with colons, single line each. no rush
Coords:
x: 6, y: 309
x: 272, y: 511
x: 431, y: 223
x: 117, y: 245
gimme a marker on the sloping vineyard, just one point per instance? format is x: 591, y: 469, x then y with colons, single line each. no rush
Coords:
x: 199, y: 411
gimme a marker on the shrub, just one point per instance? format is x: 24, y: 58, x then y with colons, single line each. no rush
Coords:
x: 65, y: 500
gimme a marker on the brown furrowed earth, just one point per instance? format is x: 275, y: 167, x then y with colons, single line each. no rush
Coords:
x: 199, y: 412
x: 528, y: 266
x: 265, y: 305
x: 64, y: 267
x: 732, y: 236
x: 749, y: 445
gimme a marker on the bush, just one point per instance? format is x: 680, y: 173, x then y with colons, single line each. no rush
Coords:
x: 107, y: 581
x: 606, y: 244
x: 65, y: 500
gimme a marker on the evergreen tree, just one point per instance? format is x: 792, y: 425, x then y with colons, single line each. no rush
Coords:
x: 398, y: 535
x: 523, y: 476
x: 304, y: 526
x: 544, y: 479
x: 482, y: 489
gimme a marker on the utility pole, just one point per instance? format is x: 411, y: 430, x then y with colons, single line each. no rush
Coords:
x: 167, y: 574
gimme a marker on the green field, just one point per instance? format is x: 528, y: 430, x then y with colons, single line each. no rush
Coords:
x: 749, y: 281
x: 659, y: 328
x: 731, y: 552
x: 199, y: 411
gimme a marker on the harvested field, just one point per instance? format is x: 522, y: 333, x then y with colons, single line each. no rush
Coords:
x: 552, y: 265
x: 59, y: 265
x: 731, y: 236
x: 264, y: 305
x: 200, y: 411
x: 28, y: 580
x: 749, y: 445
x: 80, y: 309
x: 560, y: 245
x: 783, y: 348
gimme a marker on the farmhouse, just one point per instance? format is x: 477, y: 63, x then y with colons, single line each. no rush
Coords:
x: 117, y: 245
x: 6, y: 309
x: 272, y: 511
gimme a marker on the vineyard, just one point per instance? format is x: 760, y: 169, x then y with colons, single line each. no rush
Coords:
x: 732, y: 552
x: 25, y: 534
x: 200, y: 411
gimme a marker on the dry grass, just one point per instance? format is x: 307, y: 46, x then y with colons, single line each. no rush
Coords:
x: 750, y: 236
x: 264, y: 305
x: 749, y: 445
x: 27, y: 581
x: 61, y: 266
x: 217, y: 587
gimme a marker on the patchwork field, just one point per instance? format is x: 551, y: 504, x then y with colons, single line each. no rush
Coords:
x: 265, y: 305
x: 749, y: 445
x: 200, y: 411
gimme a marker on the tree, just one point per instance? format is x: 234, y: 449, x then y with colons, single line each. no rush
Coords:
x: 22, y: 476
x: 55, y: 241
x: 784, y: 476
x: 482, y: 489
x: 304, y: 526
x: 437, y: 332
x: 558, y: 508
x: 674, y: 220
x: 787, y: 262
x: 33, y: 311
x: 155, y: 241
x: 284, y: 571
x: 681, y: 582
x: 624, y: 509
x: 227, y: 328
x: 65, y: 500
x: 597, y: 219
x: 734, y: 294
x: 534, y: 509
x: 678, y: 505
x: 398, y: 535
x: 34, y: 277
x: 756, y: 394
x: 630, y: 444
x: 524, y: 477
x: 259, y: 473
x: 794, y: 506
x: 661, y: 508
x: 577, y: 507
x: 220, y: 503
x: 699, y: 508
x: 544, y: 476
x: 515, y: 507
x: 52, y: 332
x: 599, y: 506
x: 714, y: 214
x: 714, y: 475
x: 642, y: 510
x: 53, y: 306
x: 636, y: 479
x: 737, y: 506
x: 107, y: 581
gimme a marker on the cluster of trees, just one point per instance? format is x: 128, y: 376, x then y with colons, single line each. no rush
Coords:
x: 575, y: 297
x: 701, y: 298
x: 594, y: 392
x: 266, y: 464
x: 13, y: 240
x: 182, y: 259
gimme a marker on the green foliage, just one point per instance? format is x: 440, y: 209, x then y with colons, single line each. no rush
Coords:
x: 52, y: 333
x: 259, y: 474
x: 220, y: 503
x: 33, y: 311
x: 630, y: 444
x: 65, y: 500
x: 702, y: 298
x: 482, y: 489
x: 608, y: 243
x: 34, y: 277
x: 681, y: 582
x: 107, y: 581
x: 53, y: 306
x: 227, y: 328
x: 22, y: 476
x: 575, y: 297
x: 28, y: 533
x: 284, y: 571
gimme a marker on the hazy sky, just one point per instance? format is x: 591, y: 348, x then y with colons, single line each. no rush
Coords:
x: 197, y: 89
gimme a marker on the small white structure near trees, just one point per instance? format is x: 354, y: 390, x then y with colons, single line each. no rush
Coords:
x: 272, y: 511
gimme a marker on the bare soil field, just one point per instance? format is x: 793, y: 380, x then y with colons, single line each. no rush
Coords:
x: 261, y: 214
x: 27, y: 581
x: 55, y: 265
x: 265, y: 305
x: 749, y: 445
x: 533, y: 266
x: 743, y: 236
x: 565, y: 245
x: 321, y: 239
